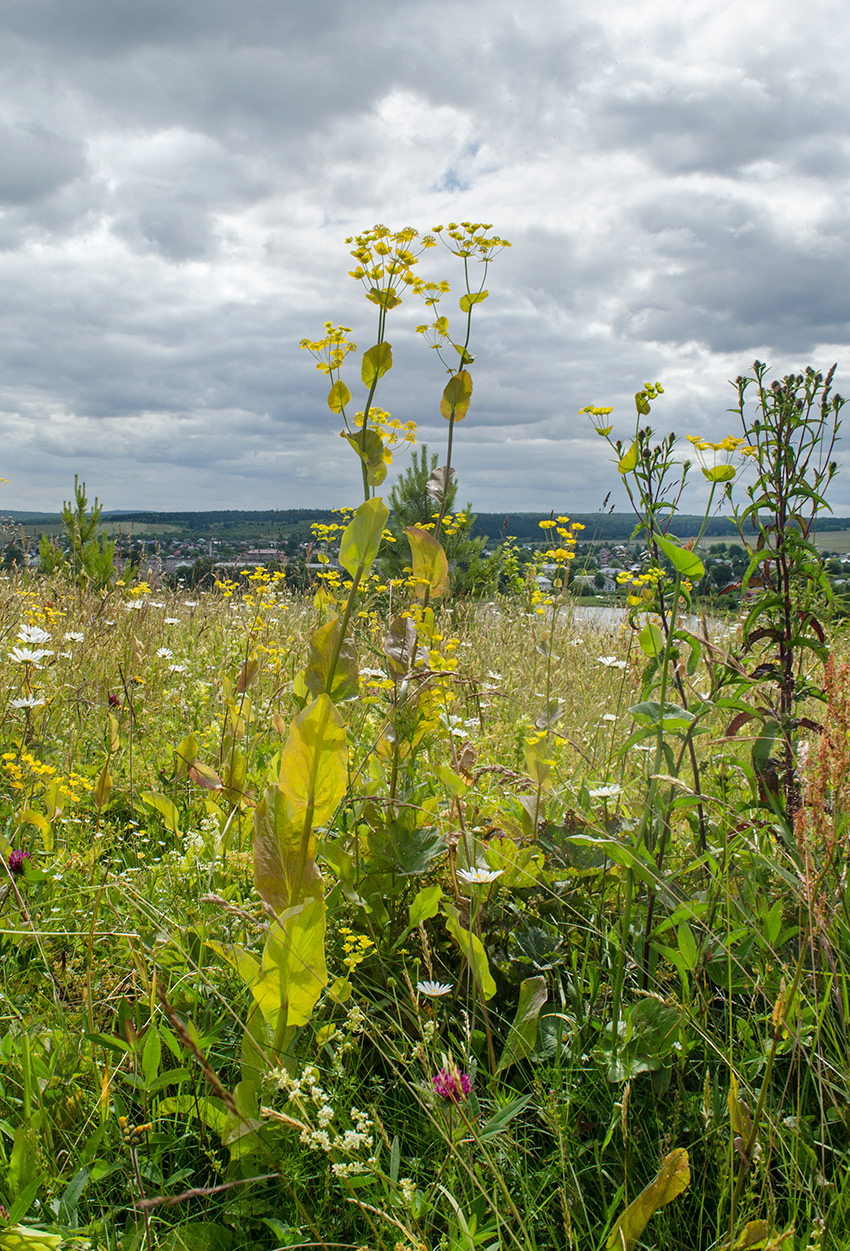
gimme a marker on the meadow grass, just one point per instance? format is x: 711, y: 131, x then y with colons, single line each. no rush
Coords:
x: 474, y: 913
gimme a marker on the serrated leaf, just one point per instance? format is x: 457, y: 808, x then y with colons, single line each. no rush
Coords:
x: 377, y: 361
x: 361, y: 538
x: 457, y: 396
x: 338, y: 396
x: 672, y: 1179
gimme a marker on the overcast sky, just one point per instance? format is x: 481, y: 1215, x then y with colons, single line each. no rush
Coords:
x: 177, y: 179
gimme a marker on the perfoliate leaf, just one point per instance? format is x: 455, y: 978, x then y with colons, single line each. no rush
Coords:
x: 430, y: 565
x: 532, y: 996
x: 720, y: 473
x: 376, y: 362
x: 361, y: 538
x: 344, y: 683
x: 314, y: 764
x: 684, y: 561
x: 400, y: 645
x: 102, y: 788
x: 651, y: 640
x: 671, y: 1180
x: 457, y: 396
x: 629, y: 459
x: 384, y: 297
x: 437, y: 484
x: 466, y: 301
x: 293, y: 972
x: 165, y: 807
x: 338, y: 397
x: 371, y: 450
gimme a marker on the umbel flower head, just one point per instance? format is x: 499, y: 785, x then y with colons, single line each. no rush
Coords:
x: 452, y: 1085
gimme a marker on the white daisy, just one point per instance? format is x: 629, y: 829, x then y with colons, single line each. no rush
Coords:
x: 435, y: 989
x: 478, y: 875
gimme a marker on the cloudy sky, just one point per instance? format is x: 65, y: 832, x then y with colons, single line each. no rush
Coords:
x: 178, y: 177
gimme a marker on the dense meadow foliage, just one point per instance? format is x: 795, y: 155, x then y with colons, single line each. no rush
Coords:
x: 383, y: 917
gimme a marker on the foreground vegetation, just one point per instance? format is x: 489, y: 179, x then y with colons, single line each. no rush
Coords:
x: 378, y: 918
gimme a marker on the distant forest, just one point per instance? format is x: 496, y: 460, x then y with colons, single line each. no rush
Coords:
x: 272, y: 524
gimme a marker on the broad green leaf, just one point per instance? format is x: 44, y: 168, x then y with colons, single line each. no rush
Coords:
x: 211, y: 1111
x: 523, y: 1036
x: 165, y: 807
x: 720, y: 473
x: 338, y: 397
x: 102, y: 788
x: 651, y: 640
x: 687, y: 945
x: 672, y: 1179
x: 629, y: 459
x: 361, y: 538
x: 344, y: 683
x: 314, y: 763
x: 430, y: 566
x: 753, y: 1235
x: 376, y: 362
x: 23, y: 1164
x: 246, y: 965
x: 426, y: 904
x: 457, y: 396
x: 653, y: 1028
x: 472, y: 948
x: 684, y: 561
x: 293, y: 972
x: 283, y: 849
x: 672, y: 718
x: 466, y: 301
x: 24, y: 1238
x: 373, y: 453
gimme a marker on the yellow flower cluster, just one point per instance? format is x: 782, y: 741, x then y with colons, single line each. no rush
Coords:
x: 355, y: 946
x: 385, y: 262
x: 389, y: 428
x: 24, y: 772
x: 471, y: 240
x: 641, y: 585
x: 331, y: 351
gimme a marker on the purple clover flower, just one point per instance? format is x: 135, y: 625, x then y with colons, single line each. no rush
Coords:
x: 16, y: 861
x: 452, y: 1085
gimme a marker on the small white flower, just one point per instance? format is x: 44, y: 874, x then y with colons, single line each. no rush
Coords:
x: 26, y: 701
x: 605, y: 792
x: 176, y: 668
x: 33, y: 634
x: 190, y: 603
x: 164, y: 652
x: 608, y: 716
x: 73, y: 636
x: 611, y: 662
x: 29, y: 655
x: 478, y: 875
x: 156, y: 603
x: 171, y: 620
x: 435, y: 989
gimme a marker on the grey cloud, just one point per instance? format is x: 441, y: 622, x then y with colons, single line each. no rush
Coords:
x: 35, y: 162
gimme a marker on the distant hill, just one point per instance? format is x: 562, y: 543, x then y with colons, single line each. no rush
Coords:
x: 243, y: 524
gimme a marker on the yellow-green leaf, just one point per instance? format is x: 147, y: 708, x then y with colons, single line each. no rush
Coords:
x: 314, y: 763
x: 362, y: 537
x: 670, y: 1181
x: 720, y: 473
x: 523, y: 1036
x: 684, y: 561
x: 472, y: 948
x: 629, y: 459
x: 164, y: 806
x: 24, y: 1238
x: 344, y: 682
x: 376, y: 362
x: 467, y: 301
x: 430, y: 565
x: 651, y: 640
x: 186, y: 752
x: 373, y: 452
x: 293, y: 972
x: 102, y: 788
x: 338, y: 397
x: 457, y: 396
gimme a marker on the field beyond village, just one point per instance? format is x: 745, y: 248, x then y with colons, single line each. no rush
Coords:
x: 417, y: 902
